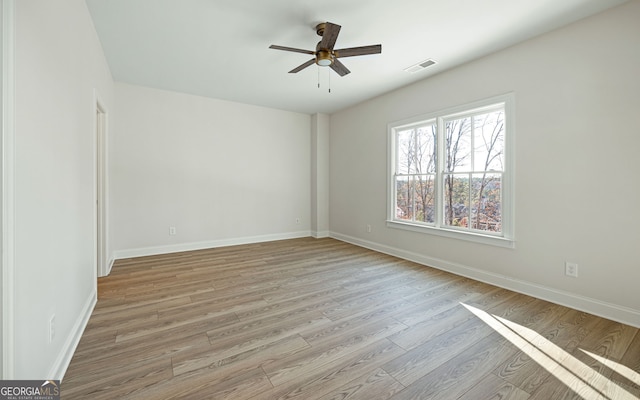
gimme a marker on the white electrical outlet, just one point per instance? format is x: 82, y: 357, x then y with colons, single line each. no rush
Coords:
x: 368, y: 228
x: 52, y: 328
x: 172, y: 230
x: 571, y: 269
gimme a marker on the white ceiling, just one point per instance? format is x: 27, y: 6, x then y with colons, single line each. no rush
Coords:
x: 220, y: 48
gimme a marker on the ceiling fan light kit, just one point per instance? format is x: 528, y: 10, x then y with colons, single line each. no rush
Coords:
x: 325, y: 55
x: 324, y: 58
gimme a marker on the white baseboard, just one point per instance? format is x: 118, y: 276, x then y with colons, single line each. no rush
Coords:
x: 600, y: 308
x: 110, y: 265
x: 320, y: 234
x: 64, y: 358
x: 176, y: 248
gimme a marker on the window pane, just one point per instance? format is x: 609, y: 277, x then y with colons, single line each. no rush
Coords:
x: 406, y: 152
x: 489, y: 141
x: 424, y: 189
x: 426, y: 149
x: 415, y: 198
x: 456, y: 199
x: 458, y: 145
x: 486, y: 202
x: 404, y: 198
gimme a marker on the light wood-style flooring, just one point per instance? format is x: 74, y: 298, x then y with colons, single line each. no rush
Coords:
x: 322, y: 319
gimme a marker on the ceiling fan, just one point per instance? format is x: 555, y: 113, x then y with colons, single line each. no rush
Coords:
x: 325, y: 55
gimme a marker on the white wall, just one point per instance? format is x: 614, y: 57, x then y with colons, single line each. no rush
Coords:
x: 577, y: 100
x: 219, y: 172
x: 59, y: 62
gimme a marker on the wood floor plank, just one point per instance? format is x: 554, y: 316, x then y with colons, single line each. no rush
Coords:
x: 175, y: 326
x: 123, y: 380
x: 523, y: 371
x: 111, y: 357
x: 423, y: 359
x: 628, y: 369
x: 442, y: 298
x: 329, y: 377
x: 206, y: 385
x: 378, y: 385
x: 270, y: 352
x: 422, y: 332
x: 376, y: 299
x: 434, y: 319
x: 227, y: 343
x: 459, y: 374
x: 494, y: 388
x: 329, y: 350
x: 585, y: 370
x: 323, y: 319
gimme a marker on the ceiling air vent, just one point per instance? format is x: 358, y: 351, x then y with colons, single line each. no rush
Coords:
x: 420, y: 66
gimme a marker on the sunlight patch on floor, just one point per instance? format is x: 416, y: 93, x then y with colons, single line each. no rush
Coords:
x: 578, y: 376
x: 622, y: 369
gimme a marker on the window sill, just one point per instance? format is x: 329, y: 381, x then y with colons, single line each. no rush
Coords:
x: 450, y: 233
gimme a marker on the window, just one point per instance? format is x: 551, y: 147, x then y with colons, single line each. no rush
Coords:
x: 450, y: 173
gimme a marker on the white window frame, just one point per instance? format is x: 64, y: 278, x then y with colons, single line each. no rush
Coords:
x: 503, y: 239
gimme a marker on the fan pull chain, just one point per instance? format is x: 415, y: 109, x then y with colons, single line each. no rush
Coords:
x: 328, y: 81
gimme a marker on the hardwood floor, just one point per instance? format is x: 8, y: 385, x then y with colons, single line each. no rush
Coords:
x: 323, y: 319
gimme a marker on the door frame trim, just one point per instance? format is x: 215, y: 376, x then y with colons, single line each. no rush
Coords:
x: 101, y: 129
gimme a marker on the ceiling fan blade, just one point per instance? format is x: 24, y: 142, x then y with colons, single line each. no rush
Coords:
x: 339, y: 68
x: 359, y: 51
x: 273, y: 46
x: 303, y: 66
x: 329, y: 36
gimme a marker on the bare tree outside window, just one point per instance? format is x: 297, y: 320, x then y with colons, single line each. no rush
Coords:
x: 457, y: 155
x: 474, y: 152
x: 415, y: 177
